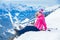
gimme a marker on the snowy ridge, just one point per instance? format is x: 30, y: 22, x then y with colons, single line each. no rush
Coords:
x: 52, y: 8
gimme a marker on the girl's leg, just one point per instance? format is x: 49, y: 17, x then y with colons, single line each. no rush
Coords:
x: 26, y: 29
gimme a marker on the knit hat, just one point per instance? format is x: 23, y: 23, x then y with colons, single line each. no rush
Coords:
x: 41, y: 10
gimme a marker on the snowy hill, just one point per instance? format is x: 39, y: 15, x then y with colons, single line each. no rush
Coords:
x: 42, y: 35
x: 53, y: 21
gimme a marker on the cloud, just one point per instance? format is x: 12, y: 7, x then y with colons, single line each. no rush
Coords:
x: 34, y: 2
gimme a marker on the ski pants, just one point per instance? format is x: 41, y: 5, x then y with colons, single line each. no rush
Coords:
x: 26, y: 29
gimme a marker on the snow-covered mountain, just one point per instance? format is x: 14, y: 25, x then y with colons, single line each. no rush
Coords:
x: 14, y: 13
x: 52, y: 8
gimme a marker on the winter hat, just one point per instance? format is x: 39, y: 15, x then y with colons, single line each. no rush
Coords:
x: 41, y: 10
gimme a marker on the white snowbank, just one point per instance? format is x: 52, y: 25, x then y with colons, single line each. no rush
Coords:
x: 53, y: 20
x: 42, y: 35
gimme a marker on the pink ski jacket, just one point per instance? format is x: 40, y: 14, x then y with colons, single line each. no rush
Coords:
x: 40, y: 22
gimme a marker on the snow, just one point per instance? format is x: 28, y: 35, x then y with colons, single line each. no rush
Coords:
x: 21, y: 8
x: 26, y: 20
x: 53, y: 21
x: 9, y: 14
x: 11, y: 31
x: 42, y: 35
x: 17, y: 14
x: 52, y: 8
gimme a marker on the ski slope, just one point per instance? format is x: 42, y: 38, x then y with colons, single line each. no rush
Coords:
x: 53, y: 21
x: 42, y: 35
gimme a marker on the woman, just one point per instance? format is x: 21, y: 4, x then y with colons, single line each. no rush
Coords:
x: 37, y: 25
x: 40, y: 21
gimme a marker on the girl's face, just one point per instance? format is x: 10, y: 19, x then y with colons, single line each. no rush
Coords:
x: 38, y: 14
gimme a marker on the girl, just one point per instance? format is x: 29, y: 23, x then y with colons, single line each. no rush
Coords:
x: 40, y: 21
x: 38, y: 25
